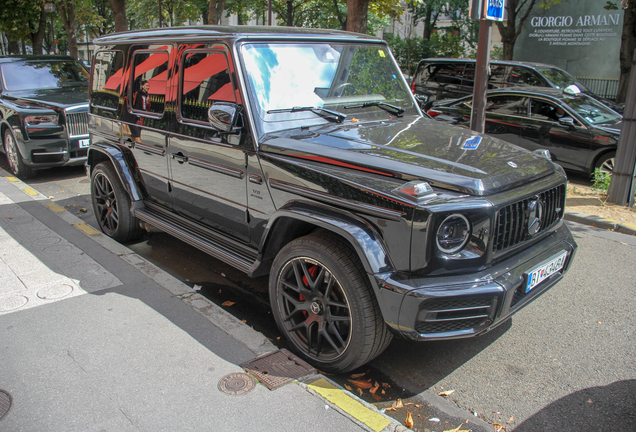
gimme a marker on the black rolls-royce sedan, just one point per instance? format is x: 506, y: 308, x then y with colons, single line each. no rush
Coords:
x: 43, y: 112
x: 580, y: 132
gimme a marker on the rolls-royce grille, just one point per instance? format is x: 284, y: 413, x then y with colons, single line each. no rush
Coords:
x: 521, y: 220
x: 77, y: 124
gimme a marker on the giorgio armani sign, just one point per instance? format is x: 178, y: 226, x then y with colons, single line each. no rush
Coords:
x: 579, y: 36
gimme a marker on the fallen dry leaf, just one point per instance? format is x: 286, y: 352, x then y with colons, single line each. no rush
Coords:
x: 376, y: 397
x: 409, y: 420
x: 398, y: 404
x: 348, y: 388
x: 374, y: 388
x: 499, y: 427
x: 244, y: 321
x: 419, y: 406
x: 360, y: 391
x: 511, y: 419
x: 361, y: 383
x: 457, y: 429
x: 358, y: 375
x: 447, y: 393
x: 383, y: 392
x: 390, y: 409
x: 227, y: 303
x: 386, y: 385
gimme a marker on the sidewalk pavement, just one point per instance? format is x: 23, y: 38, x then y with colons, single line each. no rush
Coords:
x: 599, y: 222
x: 95, y: 338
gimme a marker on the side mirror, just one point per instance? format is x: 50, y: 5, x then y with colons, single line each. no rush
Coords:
x: 567, y: 121
x: 224, y: 117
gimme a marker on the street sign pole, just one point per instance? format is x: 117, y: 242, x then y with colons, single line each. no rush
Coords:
x: 485, y: 11
x: 478, y: 114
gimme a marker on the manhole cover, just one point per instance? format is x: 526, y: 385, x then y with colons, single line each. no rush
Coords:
x: 5, y: 403
x: 236, y: 384
x: 278, y: 368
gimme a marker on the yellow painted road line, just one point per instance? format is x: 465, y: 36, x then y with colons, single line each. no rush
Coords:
x: 11, y: 178
x: 630, y: 225
x: 30, y: 191
x: 87, y: 229
x: 54, y: 207
x: 333, y: 394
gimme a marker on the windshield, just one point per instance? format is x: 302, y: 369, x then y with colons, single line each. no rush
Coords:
x: 561, y: 79
x: 339, y: 77
x: 593, y: 111
x: 47, y: 74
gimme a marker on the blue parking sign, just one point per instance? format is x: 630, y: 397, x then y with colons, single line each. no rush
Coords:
x: 495, y: 10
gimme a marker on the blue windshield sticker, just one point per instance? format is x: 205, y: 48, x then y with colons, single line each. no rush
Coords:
x: 472, y: 143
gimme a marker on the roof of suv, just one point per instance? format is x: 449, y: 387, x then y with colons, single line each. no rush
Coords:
x: 16, y: 58
x: 206, y: 31
x: 498, y: 62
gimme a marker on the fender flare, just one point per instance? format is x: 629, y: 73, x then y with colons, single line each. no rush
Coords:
x: 360, y: 234
x: 117, y: 158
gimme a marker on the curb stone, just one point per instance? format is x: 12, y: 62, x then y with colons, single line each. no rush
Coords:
x: 600, y: 222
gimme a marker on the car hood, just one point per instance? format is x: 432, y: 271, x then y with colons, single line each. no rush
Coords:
x: 50, y: 98
x: 416, y: 148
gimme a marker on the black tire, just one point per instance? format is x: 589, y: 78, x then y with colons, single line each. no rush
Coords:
x: 14, y: 158
x: 322, y: 302
x: 606, y: 162
x: 112, y: 205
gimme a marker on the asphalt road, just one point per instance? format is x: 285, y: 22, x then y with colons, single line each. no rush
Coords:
x: 564, y: 363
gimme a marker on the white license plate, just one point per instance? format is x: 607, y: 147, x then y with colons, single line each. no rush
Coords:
x: 545, y: 270
x: 84, y: 143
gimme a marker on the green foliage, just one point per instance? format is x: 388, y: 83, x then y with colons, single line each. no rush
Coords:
x: 19, y: 19
x: 145, y: 13
x: 408, y: 52
x: 496, y: 53
x: 601, y: 180
x: 610, y: 6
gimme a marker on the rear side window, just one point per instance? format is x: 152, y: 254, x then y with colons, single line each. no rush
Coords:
x: 204, y: 80
x: 498, y: 76
x: 107, y: 79
x: 151, y: 67
x: 508, y: 105
x: 447, y: 74
x: 526, y: 77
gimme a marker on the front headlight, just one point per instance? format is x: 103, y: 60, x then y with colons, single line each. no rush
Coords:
x: 453, y: 233
x: 40, y: 121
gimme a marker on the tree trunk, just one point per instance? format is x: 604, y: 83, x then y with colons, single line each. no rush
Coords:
x: 216, y: 11
x: 628, y: 45
x: 343, y: 22
x: 428, y: 26
x: 67, y: 13
x: 119, y: 12
x: 511, y: 32
x: 37, y: 38
x: 357, y: 15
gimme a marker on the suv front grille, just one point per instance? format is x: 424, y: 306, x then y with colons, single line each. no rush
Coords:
x: 77, y: 124
x: 511, y: 221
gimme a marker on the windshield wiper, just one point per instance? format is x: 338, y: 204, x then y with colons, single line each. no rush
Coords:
x: 385, y: 106
x: 316, y: 110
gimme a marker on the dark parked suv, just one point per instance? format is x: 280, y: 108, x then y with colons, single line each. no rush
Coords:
x: 448, y: 78
x: 43, y: 112
x: 302, y: 154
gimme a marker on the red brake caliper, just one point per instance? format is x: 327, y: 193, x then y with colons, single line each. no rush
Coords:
x: 313, y: 271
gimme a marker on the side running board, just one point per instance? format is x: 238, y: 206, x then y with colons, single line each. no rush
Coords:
x: 217, y: 245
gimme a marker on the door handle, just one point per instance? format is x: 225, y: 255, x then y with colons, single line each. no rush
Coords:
x: 179, y: 157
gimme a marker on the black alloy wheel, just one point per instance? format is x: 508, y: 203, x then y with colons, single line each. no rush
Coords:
x: 16, y: 164
x: 324, y: 306
x: 606, y: 163
x: 112, y: 205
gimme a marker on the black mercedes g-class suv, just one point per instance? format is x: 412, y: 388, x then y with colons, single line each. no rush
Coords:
x: 302, y: 154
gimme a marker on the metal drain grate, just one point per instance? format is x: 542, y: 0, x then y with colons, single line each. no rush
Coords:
x: 5, y: 403
x: 277, y: 368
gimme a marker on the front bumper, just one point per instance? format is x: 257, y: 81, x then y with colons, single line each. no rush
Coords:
x: 450, y: 307
x: 46, y: 153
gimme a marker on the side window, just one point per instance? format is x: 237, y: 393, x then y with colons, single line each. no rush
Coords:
x: 507, y: 105
x: 150, y: 73
x: 542, y: 110
x: 448, y: 73
x: 469, y: 76
x: 526, y: 77
x: 204, y: 79
x: 498, y: 76
x: 107, y: 77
